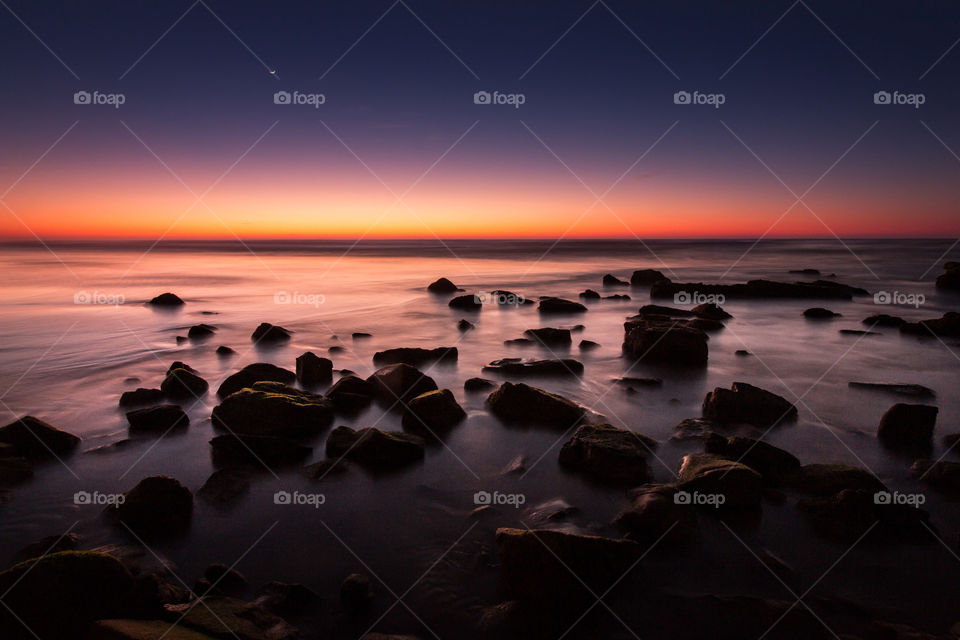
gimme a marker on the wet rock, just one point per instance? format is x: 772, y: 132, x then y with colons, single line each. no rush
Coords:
x: 467, y: 302
x: 559, y: 305
x: 415, y: 356
x: 48, y: 545
x: 908, y: 425
x: 374, y: 448
x: 397, y: 383
x: 465, y: 325
x: 942, y: 474
x: 760, y: 289
x: 223, y: 579
x: 159, y: 506
x: 611, y: 280
x: 33, y: 438
x: 273, y: 409
x: 166, y: 300
x: 695, y: 429
x: 947, y: 326
x: 229, y: 450
x: 913, y: 390
x: 141, y: 397
x: 225, y: 486
x: 588, y: 345
x: 608, y: 454
x: 286, y: 599
x: 555, y: 510
x: 478, y: 384
x: 442, y: 285
x: 589, y: 294
x: 746, y: 403
x: 550, y: 337
x: 519, y: 403
x: 201, y: 331
x: 851, y: 513
x: 653, y: 512
x: 550, y: 568
x: 884, y: 320
x: 225, y: 618
x: 644, y: 277
x: 828, y: 479
x: 551, y: 367
x: 819, y: 313
x: 59, y: 595
x: 658, y: 339
x: 433, y: 412
x: 351, y: 393
x: 950, y: 278
x: 312, y: 370
x: 257, y: 372
x: 356, y: 591
x: 224, y: 351
x: 159, y: 419
x: 183, y: 383
x: 267, y: 333
x: 707, y: 473
x: 778, y: 467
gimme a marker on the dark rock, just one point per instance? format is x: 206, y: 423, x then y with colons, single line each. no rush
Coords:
x: 182, y: 339
x: 141, y: 397
x: 561, y: 570
x: 858, y: 332
x: 657, y: 339
x: 506, y: 298
x: 415, y: 356
x: 467, y: 302
x: 559, y: 305
x: 351, y: 393
x: 166, y: 300
x: 639, y: 382
x: 711, y: 311
x: 913, y: 390
x: 397, y: 383
x: 224, y: 351
x: 950, y: 278
x: 695, y: 429
x: 273, y: 409
x: 225, y: 618
x: 760, y: 289
x: 805, y: 272
x: 285, y: 599
x: 266, y: 333
x: 182, y: 383
x: 908, y: 425
x: 588, y: 345
x: 549, y: 336
x: 942, y: 474
x: 225, y: 486
x: 361, y: 335
x: 884, y: 320
x: 312, y: 370
x: 608, y: 454
x: 48, y: 545
x: 746, y: 403
x: 257, y: 372
x: 518, y: 342
x: 442, y: 286
x: 742, y: 352
x: 335, y: 349
x: 704, y: 324
x: 828, y: 479
x: 224, y: 579
x: 162, y: 418
x: 778, y: 467
x: 356, y: 591
x: 158, y: 506
x: 611, y: 280
x: 478, y: 384
x: 201, y: 331
x: 33, y: 438
x: 520, y: 403
x: 665, y: 311
x: 374, y: 448
x: 851, y: 513
x: 465, y: 325
x: 322, y: 468
x: 617, y: 296
x: 713, y: 475
x: 947, y: 326
x: 590, y: 294
x: 819, y: 313
x: 554, y: 367
x: 229, y: 450
x: 644, y: 277
x: 434, y: 411
x: 653, y: 512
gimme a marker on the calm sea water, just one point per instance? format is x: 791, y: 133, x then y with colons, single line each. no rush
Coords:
x: 68, y: 363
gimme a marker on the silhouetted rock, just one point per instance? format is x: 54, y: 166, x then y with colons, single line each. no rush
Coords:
x: 519, y: 342
x: 33, y: 438
x: 478, y: 384
x: 711, y: 311
x: 805, y: 272
x: 465, y: 325
x: 273, y: 409
x: 141, y: 397
x: 516, y: 367
x: 224, y: 351
x: 608, y: 454
x: 397, y: 383
x: 644, y: 277
x: 712, y: 475
x: 884, y: 320
x: 506, y: 298
x: 559, y: 305
x: 777, y: 466
x: 266, y: 333
x: 158, y: 506
x: 201, y: 331
x: 745, y: 403
x: 415, y: 356
x: 950, y: 278
x: 434, y: 411
x: 467, y: 302
x: 361, y: 335
x: 908, y: 425
x: 442, y: 286
x: 351, y: 393
x: 257, y: 372
x: 913, y: 390
x: 819, y: 313
x: 947, y: 326
x: 760, y: 289
x: 312, y: 370
x: 665, y: 311
x: 611, y: 280
x: 588, y: 345
x: 374, y: 448
x: 617, y: 296
x: 166, y: 300
x: 828, y: 479
x: 182, y: 383
x: 590, y: 294
x: 658, y: 339
x: 159, y: 419
x: 523, y: 404
x: 549, y: 336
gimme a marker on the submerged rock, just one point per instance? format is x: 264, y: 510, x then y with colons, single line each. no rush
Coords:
x: 397, y: 383
x: 257, y: 372
x: 884, y: 320
x: 224, y: 351
x: 915, y: 390
x: 273, y: 409
x: 229, y: 450
x: 658, y: 339
x: 33, y: 438
x: 467, y: 302
x: 819, y: 313
x: 523, y: 404
x: 374, y: 448
x: 608, y: 454
x: 162, y: 418
x: 158, y: 506
x: 516, y: 367
x: 415, y: 356
x: 549, y: 336
x: 434, y: 411
x: 559, y: 305
x: 465, y: 325
x: 746, y: 403
x: 588, y: 345
x: 201, y: 331
x: 777, y: 466
x: 166, y: 300
x: 141, y: 397
x: 908, y: 425
x: 442, y: 285
x: 707, y: 474
x: 266, y: 333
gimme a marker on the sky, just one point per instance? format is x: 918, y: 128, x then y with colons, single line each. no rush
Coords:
x: 221, y: 119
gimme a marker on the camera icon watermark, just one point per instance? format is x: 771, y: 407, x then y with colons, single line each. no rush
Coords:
x: 311, y: 99
x: 695, y: 498
x: 505, y: 298
x: 897, y: 498
x: 512, y: 99
x: 298, y: 499
x: 485, y: 498
x: 99, y: 297
x: 296, y: 297
x: 96, y: 498
x: 691, y: 298
x: 910, y: 99
x: 114, y: 100
x: 915, y: 300
x: 710, y: 99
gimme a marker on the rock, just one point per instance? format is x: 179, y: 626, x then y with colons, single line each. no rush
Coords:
x: 506, y: 298
x: 654, y: 511
x: 711, y: 311
x: 182, y: 339
x: 375, y: 448
x: 230, y: 450
x: 819, y: 313
x: 828, y: 479
x: 223, y: 579
x: 617, y: 296
x: 182, y: 383
x: 884, y: 320
x: 643, y: 277
x: 356, y: 591
x: 225, y: 618
x: 713, y: 475
x: 442, y: 286
x: 141, y: 397
x: 657, y: 339
x: 166, y: 300
x: 132, y: 629
x: 57, y: 596
x: 746, y: 403
x: 159, y: 506
x: 942, y: 474
x: 312, y: 370
x: 858, y: 332
x: 351, y: 393
x: 273, y: 409
x: 950, y: 278
x: 224, y: 351
x: 760, y: 289
x: 162, y: 418
x: 554, y: 367
x: 520, y: 403
x: 478, y: 384
x: 742, y: 352
x: 805, y: 272
x: 257, y: 372
x: 465, y: 325
x: 559, y: 305
x: 632, y: 381
x: 851, y: 513
x: 415, y: 356
x: 518, y: 342
x: 549, y: 336
x: 201, y: 331
x: 397, y: 383
x: 48, y: 545
x: 667, y: 312
x: 286, y: 599
x: 704, y: 324
x: 778, y: 467
x: 611, y: 280
x: 588, y: 345
x: 608, y: 454
x: 695, y: 429
x: 551, y: 568
x: 433, y: 412
x: 335, y: 349
x: 361, y: 335
x: 908, y: 425
x: 33, y: 438
x: 225, y: 486
x: 266, y: 333
x: 913, y: 390
x: 590, y: 294
x: 467, y: 302
x: 947, y: 326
